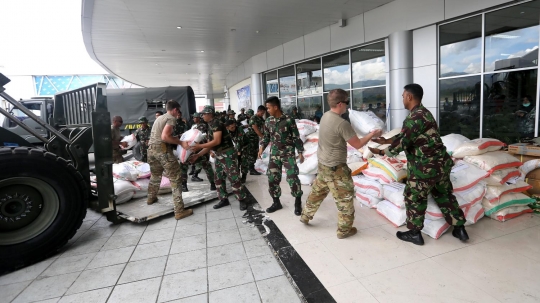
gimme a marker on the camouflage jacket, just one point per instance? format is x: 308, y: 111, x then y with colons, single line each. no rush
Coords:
x: 242, y: 117
x: 217, y: 126
x: 255, y: 120
x: 420, y: 139
x: 296, y: 116
x: 283, y: 134
x: 179, y: 128
x: 239, y: 138
x: 143, y: 135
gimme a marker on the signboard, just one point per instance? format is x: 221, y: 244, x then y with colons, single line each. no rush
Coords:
x: 244, y: 97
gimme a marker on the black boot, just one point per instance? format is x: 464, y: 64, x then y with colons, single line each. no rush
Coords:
x: 243, y: 204
x: 298, y: 206
x: 195, y: 177
x: 413, y: 236
x: 253, y: 172
x: 212, y: 186
x: 184, y: 187
x: 275, y: 206
x: 192, y: 170
x: 221, y: 203
x: 243, y: 179
x: 460, y: 233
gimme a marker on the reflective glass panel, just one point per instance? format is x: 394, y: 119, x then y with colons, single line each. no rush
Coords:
x: 337, y: 71
x: 309, y: 78
x: 461, y: 47
x: 459, y: 106
x: 512, y: 37
x: 287, y: 103
x: 372, y: 99
x: 287, y: 83
x: 368, y: 65
x: 310, y: 107
x: 272, y: 87
x: 509, y: 105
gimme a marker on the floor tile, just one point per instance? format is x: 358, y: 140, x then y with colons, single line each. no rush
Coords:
x: 257, y: 248
x: 104, y: 223
x: 195, y: 299
x: 96, y: 278
x: 157, y: 235
x: 525, y: 242
x: 65, y: 265
x: 26, y: 274
x: 221, y: 225
x: 93, y: 296
x: 184, y: 284
x: 141, y: 291
x: 246, y: 293
x: 229, y: 275
x: 224, y: 237
x: 84, y: 246
x: 296, y: 232
x: 225, y: 254
x: 265, y: 267
x: 47, y: 288
x: 143, y: 269
x: 351, y: 292
x: 151, y: 250
x: 277, y: 289
x: 197, y: 217
x: 188, y: 244
x: 98, y: 233
x: 438, y: 285
x: 120, y: 241
x: 127, y: 228
x: 227, y: 213
x: 210, y: 207
x: 237, y: 213
x: 190, y: 230
x: 111, y: 257
x: 186, y: 261
x: 10, y: 291
x: 53, y: 300
x: 162, y: 223
x: 249, y: 233
x: 86, y: 225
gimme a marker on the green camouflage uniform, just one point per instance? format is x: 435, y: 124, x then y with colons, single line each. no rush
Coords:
x: 283, y: 134
x: 179, y: 128
x: 239, y: 138
x: 242, y: 117
x: 143, y: 135
x: 296, y: 116
x: 428, y: 169
x: 226, y: 162
x: 252, y: 146
x: 202, y: 162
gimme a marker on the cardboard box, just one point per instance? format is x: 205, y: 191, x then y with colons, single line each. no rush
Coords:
x: 535, y: 190
x: 524, y: 149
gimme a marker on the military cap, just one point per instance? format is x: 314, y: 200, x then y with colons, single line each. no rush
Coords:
x: 143, y: 119
x: 294, y: 108
x: 242, y: 109
x: 196, y: 115
x: 250, y: 112
x: 208, y: 109
x: 231, y: 112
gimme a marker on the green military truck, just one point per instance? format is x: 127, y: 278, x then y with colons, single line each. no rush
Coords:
x: 44, y: 190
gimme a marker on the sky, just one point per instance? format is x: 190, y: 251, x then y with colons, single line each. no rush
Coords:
x: 43, y: 37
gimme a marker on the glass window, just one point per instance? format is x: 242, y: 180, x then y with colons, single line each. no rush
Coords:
x: 337, y: 71
x: 461, y: 47
x: 368, y: 65
x: 309, y: 78
x: 287, y: 83
x: 372, y: 99
x: 272, y: 87
x: 310, y: 107
x: 459, y: 106
x: 509, y: 105
x: 512, y: 37
x: 287, y: 104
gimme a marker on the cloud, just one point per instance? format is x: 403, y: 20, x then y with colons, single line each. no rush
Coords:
x: 336, y: 77
x: 369, y: 70
x: 445, y: 69
x: 460, y: 47
x: 522, y: 52
x: 473, y: 68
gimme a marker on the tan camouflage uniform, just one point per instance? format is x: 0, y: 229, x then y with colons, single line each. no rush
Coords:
x: 116, y: 151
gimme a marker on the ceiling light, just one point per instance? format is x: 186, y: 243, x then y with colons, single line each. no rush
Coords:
x: 162, y: 50
x: 179, y: 27
x: 257, y: 32
x: 202, y: 51
x: 502, y: 36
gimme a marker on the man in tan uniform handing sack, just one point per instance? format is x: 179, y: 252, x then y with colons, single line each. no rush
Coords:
x: 333, y: 173
x: 116, y: 138
x: 161, y: 158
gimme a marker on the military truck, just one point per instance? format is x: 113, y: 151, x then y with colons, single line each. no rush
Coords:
x: 44, y: 191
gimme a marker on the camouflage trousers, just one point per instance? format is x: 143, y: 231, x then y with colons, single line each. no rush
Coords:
x: 144, y: 153
x: 201, y: 163
x: 416, y: 195
x: 117, y: 156
x: 337, y: 180
x: 165, y: 162
x: 249, y: 154
x: 227, y: 166
x: 274, y: 171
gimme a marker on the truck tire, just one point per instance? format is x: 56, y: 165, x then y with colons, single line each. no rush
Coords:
x: 43, y: 201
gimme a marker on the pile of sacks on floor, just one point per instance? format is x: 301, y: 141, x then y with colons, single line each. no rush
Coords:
x: 131, y: 179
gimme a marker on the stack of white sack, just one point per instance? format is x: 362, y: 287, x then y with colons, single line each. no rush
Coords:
x: 308, y: 169
x: 130, y: 140
x: 365, y: 122
x: 367, y: 154
x: 393, y: 206
x: 127, y: 177
x: 192, y: 136
x: 306, y: 127
x: 367, y: 191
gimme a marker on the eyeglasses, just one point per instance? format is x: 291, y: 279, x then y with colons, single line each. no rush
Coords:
x: 346, y: 102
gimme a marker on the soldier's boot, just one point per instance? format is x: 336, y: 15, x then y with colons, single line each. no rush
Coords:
x: 184, y: 187
x: 298, y: 206
x: 192, y: 170
x: 351, y: 232
x: 243, y: 179
x: 195, y: 177
x: 222, y: 203
x: 275, y: 206
x: 253, y: 172
x: 460, y: 233
x: 182, y: 214
x: 212, y: 186
x: 304, y: 219
x: 151, y: 201
x: 413, y: 236
x: 243, y: 204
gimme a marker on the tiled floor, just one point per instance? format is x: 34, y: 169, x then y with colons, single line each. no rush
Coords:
x: 211, y: 256
x: 498, y: 264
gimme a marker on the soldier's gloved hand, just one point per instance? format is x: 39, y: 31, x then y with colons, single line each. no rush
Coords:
x: 301, y: 157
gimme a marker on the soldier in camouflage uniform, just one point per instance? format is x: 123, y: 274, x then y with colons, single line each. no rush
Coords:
x: 220, y: 142
x: 428, y: 168
x: 179, y: 128
x: 242, y: 116
x: 255, y: 133
x: 240, y: 140
x: 333, y: 173
x: 116, y: 138
x: 295, y: 114
x: 142, y: 134
x: 162, y: 159
x: 282, y: 133
x: 202, y: 162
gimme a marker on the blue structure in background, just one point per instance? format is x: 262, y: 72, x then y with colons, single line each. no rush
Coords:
x: 50, y: 85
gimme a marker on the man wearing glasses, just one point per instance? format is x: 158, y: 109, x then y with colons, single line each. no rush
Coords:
x: 333, y: 173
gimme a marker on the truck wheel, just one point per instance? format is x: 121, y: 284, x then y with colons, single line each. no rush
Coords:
x: 43, y: 201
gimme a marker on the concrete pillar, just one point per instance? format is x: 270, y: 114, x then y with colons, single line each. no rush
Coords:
x: 400, y: 45
x: 210, y: 101
x: 257, y: 91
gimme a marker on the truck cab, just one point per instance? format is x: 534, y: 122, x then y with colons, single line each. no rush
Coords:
x: 41, y: 107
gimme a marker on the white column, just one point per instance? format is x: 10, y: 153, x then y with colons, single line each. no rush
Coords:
x: 257, y: 92
x: 400, y: 59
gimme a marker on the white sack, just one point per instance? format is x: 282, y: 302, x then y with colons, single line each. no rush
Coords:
x: 365, y: 122
x: 528, y: 166
x: 368, y: 186
x: 309, y: 167
x: 452, y: 141
x: 435, y: 228
x: 305, y: 128
x: 393, y: 192
x: 493, y: 193
x: 392, y: 213
x: 500, y: 177
x: 511, y: 212
x: 493, y: 161
x: 192, y: 136
x: 464, y: 176
x: 130, y: 140
x: 123, y: 198
x: 505, y: 201
x: 307, y: 179
x: 367, y: 200
x: 477, y: 147
x: 471, y: 196
x: 125, y: 171
x: 377, y: 174
x: 474, y: 213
